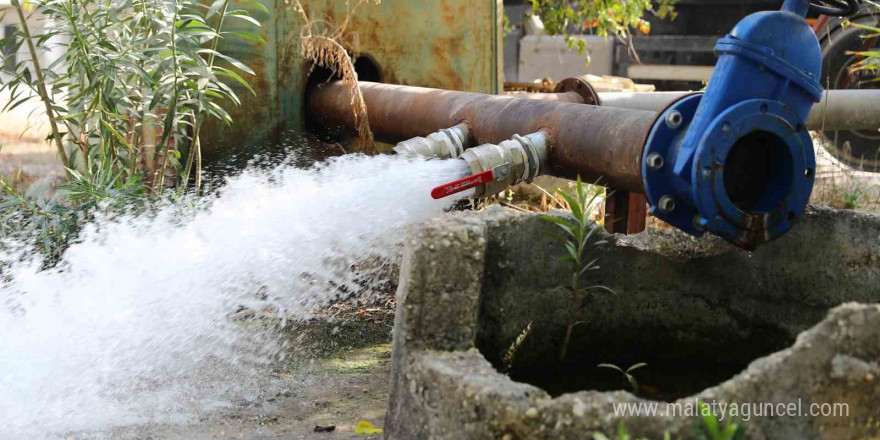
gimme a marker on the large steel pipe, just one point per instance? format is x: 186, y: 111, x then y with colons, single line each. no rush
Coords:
x: 597, y: 143
x: 838, y: 110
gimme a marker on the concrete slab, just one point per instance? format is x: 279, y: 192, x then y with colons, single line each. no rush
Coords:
x: 471, y: 283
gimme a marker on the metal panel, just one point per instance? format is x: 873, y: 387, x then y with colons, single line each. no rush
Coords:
x: 670, y: 72
x: 542, y: 56
x: 449, y: 44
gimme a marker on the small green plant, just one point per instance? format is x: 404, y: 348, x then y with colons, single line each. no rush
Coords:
x: 627, y: 374
x: 851, y: 199
x: 713, y: 429
x: 579, y: 245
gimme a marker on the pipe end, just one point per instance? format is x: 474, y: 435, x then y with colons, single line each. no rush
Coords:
x: 747, y: 178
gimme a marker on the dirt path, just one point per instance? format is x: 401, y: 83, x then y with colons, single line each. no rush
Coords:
x: 30, y: 163
x: 341, y: 391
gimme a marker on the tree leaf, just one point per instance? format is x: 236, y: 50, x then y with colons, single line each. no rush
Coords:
x: 572, y: 204
x: 247, y: 36
x: 636, y: 366
x: 611, y: 366
x: 256, y: 5
x: 243, y: 15
x: 365, y: 427
x: 215, y: 8
x: 117, y: 135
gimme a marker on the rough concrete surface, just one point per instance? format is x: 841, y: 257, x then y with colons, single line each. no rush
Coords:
x: 471, y: 283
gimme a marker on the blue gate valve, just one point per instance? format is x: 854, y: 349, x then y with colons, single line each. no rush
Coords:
x: 737, y: 161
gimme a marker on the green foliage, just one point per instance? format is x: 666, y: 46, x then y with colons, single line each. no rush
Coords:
x: 603, y: 17
x: 627, y: 374
x: 130, y: 67
x: 852, y: 197
x: 579, y: 244
x: 578, y: 231
x: 713, y: 429
x: 869, y: 62
x: 51, y: 225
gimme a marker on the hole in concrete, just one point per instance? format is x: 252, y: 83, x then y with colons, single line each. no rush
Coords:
x: 697, y: 321
x: 679, y: 366
x: 758, y: 172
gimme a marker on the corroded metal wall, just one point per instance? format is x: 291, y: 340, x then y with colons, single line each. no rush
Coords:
x: 449, y: 44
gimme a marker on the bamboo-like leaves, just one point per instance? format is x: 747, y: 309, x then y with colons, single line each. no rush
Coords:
x: 128, y: 68
x: 134, y: 62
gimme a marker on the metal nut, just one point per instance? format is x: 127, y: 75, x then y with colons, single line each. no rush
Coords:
x: 674, y: 119
x: 666, y: 204
x: 655, y: 161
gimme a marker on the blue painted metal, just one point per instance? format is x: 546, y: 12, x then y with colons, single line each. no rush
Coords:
x: 750, y: 121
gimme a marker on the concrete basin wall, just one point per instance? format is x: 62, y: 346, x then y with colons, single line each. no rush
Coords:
x: 471, y: 283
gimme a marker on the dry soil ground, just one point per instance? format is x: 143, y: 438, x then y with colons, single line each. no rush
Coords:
x: 341, y: 390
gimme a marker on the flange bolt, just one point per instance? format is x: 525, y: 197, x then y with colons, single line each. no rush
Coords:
x: 655, y: 161
x: 674, y: 119
x: 666, y: 204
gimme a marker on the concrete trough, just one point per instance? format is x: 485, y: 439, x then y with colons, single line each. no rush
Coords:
x: 796, y: 322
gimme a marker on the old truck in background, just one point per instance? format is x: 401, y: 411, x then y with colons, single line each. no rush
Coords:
x: 679, y: 55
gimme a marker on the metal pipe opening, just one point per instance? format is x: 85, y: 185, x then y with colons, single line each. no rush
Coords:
x: 758, y: 172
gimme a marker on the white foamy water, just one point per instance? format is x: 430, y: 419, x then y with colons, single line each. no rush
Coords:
x: 123, y: 329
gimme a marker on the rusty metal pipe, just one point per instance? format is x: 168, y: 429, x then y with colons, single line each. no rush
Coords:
x: 597, y: 143
x: 838, y: 109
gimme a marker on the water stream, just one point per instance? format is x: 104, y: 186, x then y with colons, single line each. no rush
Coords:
x: 135, y: 324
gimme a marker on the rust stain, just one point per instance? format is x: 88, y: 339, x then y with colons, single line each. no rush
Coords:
x: 448, y: 44
x: 443, y: 44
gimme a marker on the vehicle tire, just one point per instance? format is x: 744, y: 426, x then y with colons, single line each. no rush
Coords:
x: 859, y: 149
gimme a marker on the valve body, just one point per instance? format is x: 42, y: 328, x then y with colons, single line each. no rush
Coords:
x: 738, y: 160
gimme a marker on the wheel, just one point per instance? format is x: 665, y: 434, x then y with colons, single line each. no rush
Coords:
x: 859, y: 149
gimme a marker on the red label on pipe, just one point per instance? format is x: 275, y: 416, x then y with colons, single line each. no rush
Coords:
x: 460, y: 185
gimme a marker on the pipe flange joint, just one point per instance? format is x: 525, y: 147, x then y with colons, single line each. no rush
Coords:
x: 657, y: 164
x: 448, y: 143
x: 747, y: 180
x: 535, y: 148
x: 516, y: 160
x: 580, y: 86
x: 457, y: 136
x: 489, y: 157
x: 754, y: 172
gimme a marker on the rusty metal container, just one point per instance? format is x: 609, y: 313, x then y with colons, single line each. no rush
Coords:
x: 447, y: 44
